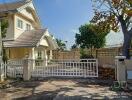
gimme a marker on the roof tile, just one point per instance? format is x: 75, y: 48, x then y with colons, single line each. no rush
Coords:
x: 26, y: 39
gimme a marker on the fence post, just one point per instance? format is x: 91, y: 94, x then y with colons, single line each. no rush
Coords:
x: 1, y: 72
x: 27, y: 69
x: 120, y: 68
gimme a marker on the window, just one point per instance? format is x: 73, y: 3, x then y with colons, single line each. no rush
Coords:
x: 28, y: 27
x: 19, y: 23
x: 39, y: 58
x: 39, y: 55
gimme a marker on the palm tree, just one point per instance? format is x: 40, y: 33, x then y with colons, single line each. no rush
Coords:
x: 61, y: 44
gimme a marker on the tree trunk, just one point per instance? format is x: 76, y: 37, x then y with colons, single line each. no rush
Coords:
x: 126, y: 45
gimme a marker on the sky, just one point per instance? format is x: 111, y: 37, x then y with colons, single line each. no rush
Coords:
x: 63, y: 18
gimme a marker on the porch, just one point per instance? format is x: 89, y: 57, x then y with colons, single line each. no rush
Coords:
x: 38, y: 54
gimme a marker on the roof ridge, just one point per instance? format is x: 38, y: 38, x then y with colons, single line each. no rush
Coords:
x: 20, y: 1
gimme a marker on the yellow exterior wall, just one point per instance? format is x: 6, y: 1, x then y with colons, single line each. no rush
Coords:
x: 13, y: 31
x: 18, y: 31
x: 10, y: 29
x: 17, y: 53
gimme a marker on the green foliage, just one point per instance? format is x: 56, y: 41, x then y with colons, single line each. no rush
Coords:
x: 61, y: 44
x: 115, y: 15
x: 4, y: 26
x: 109, y: 13
x: 84, y: 54
x: 74, y: 46
x: 90, y: 37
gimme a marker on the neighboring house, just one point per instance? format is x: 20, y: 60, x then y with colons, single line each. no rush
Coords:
x: 25, y: 38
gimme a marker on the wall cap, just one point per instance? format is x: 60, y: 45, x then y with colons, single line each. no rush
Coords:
x: 120, y: 57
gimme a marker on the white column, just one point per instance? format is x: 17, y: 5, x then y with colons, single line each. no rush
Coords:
x: 45, y: 57
x: 27, y: 69
x: 33, y: 58
x: 120, y: 68
x: 51, y: 55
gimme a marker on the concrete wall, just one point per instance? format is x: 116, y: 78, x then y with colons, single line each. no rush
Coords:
x: 128, y: 64
x: 74, y: 54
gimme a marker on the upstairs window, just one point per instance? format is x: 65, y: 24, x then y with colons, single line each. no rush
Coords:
x: 19, y: 23
x: 28, y: 27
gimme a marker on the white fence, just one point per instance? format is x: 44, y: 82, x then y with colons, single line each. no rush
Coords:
x: 3, y: 70
x: 68, y: 68
x: 15, y: 68
x: 54, y: 68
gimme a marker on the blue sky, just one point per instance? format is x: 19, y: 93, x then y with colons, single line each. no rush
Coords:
x: 63, y: 18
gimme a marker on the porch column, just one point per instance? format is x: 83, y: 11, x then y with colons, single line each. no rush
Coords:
x: 33, y: 57
x: 51, y: 55
x: 45, y: 57
x: 120, y: 68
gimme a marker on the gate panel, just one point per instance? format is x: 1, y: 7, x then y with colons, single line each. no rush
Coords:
x: 68, y: 68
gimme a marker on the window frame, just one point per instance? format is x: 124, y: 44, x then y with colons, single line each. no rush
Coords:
x: 28, y: 27
x: 19, y: 23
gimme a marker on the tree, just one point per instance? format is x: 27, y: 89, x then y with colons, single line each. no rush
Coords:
x: 90, y: 36
x: 4, y: 26
x: 61, y: 44
x: 74, y: 46
x: 115, y: 15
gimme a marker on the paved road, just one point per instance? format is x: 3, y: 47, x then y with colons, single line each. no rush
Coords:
x: 60, y: 90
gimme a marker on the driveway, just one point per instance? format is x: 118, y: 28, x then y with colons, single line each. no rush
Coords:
x: 55, y: 89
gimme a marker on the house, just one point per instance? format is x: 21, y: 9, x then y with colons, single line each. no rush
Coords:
x: 25, y: 37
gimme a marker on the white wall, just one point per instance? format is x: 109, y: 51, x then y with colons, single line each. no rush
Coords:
x: 43, y: 42
x: 17, y: 30
x: 27, y: 13
x: 13, y: 31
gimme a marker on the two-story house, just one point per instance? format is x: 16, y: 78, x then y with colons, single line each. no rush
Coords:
x: 25, y: 37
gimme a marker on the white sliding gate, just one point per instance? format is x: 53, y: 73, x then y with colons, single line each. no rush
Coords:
x: 55, y: 68
x: 67, y: 68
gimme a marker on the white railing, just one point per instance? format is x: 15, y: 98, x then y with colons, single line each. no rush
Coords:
x: 54, y: 68
x: 3, y: 69
x: 15, y: 68
x: 68, y: 68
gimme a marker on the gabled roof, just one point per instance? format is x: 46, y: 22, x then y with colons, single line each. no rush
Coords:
x: 31, y: 38
x: 11, y: 7
x: 26, y: 39
x: 52, y: 42
x: 15, y: 7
